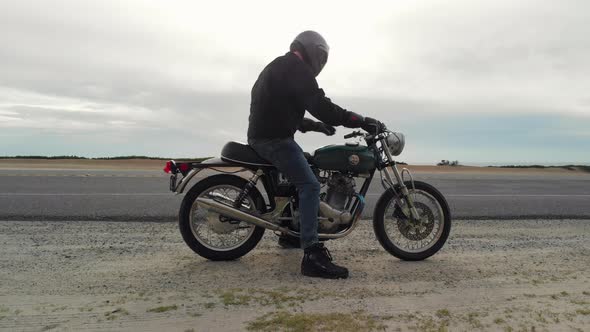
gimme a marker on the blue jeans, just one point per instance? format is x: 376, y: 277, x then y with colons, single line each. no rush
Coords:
x: 286, y: 155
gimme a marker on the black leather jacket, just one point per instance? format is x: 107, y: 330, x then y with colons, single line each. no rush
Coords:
x: 285, y: 89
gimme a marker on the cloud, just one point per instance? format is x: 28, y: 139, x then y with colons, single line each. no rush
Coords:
x: 128, y: 73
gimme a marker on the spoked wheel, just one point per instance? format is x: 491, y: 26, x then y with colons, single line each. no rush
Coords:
x: 215, y: 236
x: 410, y: 239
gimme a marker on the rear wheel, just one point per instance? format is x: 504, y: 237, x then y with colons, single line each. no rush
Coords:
x: 409, y: 239
x: 214, y: 236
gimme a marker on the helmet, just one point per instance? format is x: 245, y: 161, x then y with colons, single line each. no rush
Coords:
x: 313, y: 48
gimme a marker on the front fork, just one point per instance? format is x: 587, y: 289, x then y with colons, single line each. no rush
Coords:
x: 405, y: 193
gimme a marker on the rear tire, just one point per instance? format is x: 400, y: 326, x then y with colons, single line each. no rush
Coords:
x: 189, y: 206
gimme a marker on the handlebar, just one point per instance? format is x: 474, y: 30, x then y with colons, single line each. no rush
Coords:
x: 353, y: 134
x: 370, y: 139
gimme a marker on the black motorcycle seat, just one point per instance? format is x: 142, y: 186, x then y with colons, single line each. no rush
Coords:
x: 242, y: 154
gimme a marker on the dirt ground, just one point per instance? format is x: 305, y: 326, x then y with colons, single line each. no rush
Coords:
x: 158, y: 165
x: 519, y: 275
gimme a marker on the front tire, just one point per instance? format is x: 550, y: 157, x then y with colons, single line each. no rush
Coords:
x: 406, y: 239
x: 214, y: 236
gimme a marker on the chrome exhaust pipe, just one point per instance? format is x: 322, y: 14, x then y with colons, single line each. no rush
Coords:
x: 234, y: 213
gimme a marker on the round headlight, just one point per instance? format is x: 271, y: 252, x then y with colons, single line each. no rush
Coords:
x: 396, y: 143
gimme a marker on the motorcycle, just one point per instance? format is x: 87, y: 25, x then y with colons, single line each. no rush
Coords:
x: 224, y: 216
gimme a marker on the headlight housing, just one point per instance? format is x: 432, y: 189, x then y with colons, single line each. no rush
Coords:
x: 395, y: 143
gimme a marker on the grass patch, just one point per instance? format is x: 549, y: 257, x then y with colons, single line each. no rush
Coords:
x: 584, y: 312
x: 163, y: 308
x: 473, y: 320
x: 443, y: 313
x: 209, y: 305
x: 234, y: 298
x: 499, y: 321
x: 428, y: 324
x: 85, y: 309
x: 276, y: 297
x: 60, y: 308
x: 303, y: 322
x: 540, y: 318
x: 112, y: 315
x: 49, y: 327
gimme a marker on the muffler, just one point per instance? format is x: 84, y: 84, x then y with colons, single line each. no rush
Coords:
x: 237, y: 214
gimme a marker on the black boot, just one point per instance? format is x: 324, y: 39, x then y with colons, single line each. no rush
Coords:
x: 317, y: 262
x: 289, y: 242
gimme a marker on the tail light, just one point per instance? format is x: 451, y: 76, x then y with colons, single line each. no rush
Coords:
x: 174, y: 168
x: 170, y: 167
x: 184, y: 167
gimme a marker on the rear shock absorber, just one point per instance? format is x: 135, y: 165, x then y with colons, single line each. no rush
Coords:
x: 244, y: 193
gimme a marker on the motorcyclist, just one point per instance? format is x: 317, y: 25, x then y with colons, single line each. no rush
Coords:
x: 284, y: 90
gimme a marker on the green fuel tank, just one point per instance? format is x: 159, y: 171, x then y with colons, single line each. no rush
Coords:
x: 345, y: 158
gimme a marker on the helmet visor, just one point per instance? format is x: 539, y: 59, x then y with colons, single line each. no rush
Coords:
x: 321, y: 58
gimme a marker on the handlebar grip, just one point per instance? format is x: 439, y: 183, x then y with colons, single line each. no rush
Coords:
x: 353, y: 134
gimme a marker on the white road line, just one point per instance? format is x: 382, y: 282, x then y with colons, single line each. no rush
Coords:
x: 519, y: 195
x: 85, y: 194
x: 507, y: 195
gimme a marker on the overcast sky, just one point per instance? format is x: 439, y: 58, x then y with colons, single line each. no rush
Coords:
x: 476, y: 81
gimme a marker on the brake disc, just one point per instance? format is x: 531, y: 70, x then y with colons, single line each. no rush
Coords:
x: 416, y: 230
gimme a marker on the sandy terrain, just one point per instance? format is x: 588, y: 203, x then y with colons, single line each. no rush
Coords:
x: 158, y: 165
x: 521, y: 275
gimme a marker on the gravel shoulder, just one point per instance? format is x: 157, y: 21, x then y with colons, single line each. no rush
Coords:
x: 491, y: 275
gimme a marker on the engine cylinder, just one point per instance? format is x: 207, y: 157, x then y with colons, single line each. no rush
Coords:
x: 340, y: 188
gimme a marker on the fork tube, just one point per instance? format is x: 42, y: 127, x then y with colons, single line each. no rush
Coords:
x: 400, y: 181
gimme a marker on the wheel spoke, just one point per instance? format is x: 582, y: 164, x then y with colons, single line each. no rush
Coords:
x: 406, y: 234
x: 212, y: 231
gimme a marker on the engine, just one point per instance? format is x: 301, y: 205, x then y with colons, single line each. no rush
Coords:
x: 340, y: 190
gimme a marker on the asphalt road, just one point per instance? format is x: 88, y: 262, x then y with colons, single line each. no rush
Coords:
x: 144, y: 195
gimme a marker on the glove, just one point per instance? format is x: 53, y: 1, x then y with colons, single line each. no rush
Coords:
x: 373, y: 126
x: 324, y: 128
x: 353, y: 120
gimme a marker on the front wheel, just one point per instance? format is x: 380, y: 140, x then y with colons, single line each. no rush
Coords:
x: 408, y: 239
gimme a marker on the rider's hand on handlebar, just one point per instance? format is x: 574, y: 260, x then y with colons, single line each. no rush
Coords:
x: 324, y: 128
x: 373, y: 126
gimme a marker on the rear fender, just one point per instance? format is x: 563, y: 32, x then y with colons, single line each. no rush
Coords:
x: 196, y: 167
